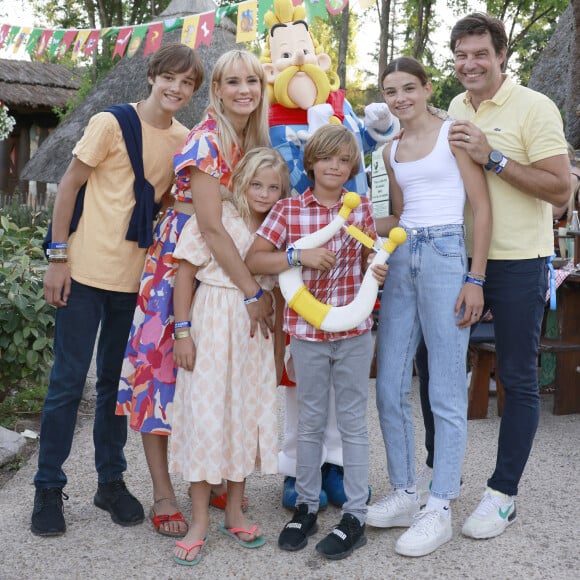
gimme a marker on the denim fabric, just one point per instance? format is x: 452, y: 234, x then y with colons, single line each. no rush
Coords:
x: 76, y: 327
x: 424, y: 281
x: 346, y: 365
x: 422, y: 368
x: 515, y: 291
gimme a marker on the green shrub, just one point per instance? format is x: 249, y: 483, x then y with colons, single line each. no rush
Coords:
x: 26, y: 320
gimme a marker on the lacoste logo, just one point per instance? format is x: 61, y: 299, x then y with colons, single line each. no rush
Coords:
x: 503, y: 514
x: 497, y: 129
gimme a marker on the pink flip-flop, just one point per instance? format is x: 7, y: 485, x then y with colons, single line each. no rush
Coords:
x: 233, y: 533
x: 188, y: 548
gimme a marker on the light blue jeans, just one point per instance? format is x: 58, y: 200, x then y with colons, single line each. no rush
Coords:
x: 424, y: 281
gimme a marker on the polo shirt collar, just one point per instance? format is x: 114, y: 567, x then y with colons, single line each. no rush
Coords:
x: 308, y: 198
x: 500, y: 96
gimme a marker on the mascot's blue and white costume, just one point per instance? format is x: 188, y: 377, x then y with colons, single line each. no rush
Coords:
x: 304, y: 95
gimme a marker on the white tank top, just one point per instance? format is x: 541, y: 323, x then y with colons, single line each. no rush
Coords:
x: 433, y: 191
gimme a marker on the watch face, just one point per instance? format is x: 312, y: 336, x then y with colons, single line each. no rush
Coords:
x: 495, y: 156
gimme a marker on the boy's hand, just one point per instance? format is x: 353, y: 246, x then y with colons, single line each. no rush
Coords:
x: 184, y: 353
x: 379, y: 271
x: 318, y: 258
x: 57, y: 283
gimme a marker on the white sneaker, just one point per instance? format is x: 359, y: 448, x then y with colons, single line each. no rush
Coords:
x: 395, y: 510
x: 430, y: 530
x: 423, y: 481
x: 493, y: 515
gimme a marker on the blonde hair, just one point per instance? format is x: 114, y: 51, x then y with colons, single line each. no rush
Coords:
x: 256, y: 130
x: 253, y: 161
x: 328, y: 140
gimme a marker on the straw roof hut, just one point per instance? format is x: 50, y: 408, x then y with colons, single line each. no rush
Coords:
x: 127, y: 82
x: 553, y: 74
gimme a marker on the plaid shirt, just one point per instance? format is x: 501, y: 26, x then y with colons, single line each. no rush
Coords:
x: 293, y: 218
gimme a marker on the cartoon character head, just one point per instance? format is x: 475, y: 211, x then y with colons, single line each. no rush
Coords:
x: 297, y: 69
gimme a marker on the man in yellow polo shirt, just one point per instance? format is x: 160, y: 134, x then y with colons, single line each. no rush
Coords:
x: 516, y: 134
x: 93, y: 278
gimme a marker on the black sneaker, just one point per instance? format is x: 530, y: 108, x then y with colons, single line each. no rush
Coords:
x: 295, y: 534
x: 48, y: 512
x: 344, y: 539
x: 115, y: 498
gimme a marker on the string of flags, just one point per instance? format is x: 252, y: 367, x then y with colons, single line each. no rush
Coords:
x: 195, y: 30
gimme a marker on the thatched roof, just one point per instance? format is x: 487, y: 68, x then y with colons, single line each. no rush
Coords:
x: 552, y: 74
x: 34, y: 85
x: 127, y: 82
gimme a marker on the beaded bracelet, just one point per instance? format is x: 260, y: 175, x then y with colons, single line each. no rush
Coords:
x: 181, y: 334
x: 183, y: 324
x: 255, y: 298
x: 58, y: 259
x: 470, y: 280
x: 476, y: 276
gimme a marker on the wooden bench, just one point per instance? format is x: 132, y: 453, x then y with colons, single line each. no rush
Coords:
x: 484, y: 360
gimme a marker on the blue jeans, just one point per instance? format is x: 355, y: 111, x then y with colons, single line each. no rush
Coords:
x: 318, y: 365
x: 515, y: 291
x: 424, y: 281
x: 76, y: 327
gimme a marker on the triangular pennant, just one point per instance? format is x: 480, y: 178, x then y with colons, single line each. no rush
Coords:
x: 67, y: 39
x: 55, y: 42
x: 91, y: 42
x: 79, y: 43
x: 154, y: 38
x: 189, y: 30
x: 4, y: 30
x: 205, y: 31
x: 364, y: 4
x: 320, y: 9
x: 43, y: 42
x: 137, y: 37
x: 21, y: 38
x: 247, y: 21
x: 33, y: 38
x: 12, y: 35
x: 172, y: 24
x: 122, y: 41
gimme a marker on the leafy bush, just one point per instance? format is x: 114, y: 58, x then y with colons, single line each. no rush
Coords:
x: 26, y: 320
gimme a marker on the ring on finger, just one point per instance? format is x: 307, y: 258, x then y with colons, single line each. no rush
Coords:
x: 467, y: 138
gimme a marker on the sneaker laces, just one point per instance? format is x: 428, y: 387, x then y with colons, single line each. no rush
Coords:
x: 50, y: 496
x: 425, y: 522
x: 397, y: 498
x: 117, y: 488
x: 490, y: 503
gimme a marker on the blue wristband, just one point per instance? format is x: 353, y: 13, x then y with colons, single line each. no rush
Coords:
x: 289, y: 253
x: 473, y: 281
x: 254, y: 298
x: 183, y: 324
x: 57, y: 246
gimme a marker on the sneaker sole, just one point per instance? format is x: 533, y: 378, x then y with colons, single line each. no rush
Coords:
x: 415, y: 552
x: 340, y: 556
x: 46, y: 534
x: 400, y: 522
x: 492, y: 534
x: 105, y: 506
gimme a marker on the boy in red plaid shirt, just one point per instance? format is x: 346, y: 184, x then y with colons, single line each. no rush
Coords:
x: 333, y: 274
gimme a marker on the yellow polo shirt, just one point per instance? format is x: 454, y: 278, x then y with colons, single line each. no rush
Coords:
x: 525, y: 126
x: 99, y: 254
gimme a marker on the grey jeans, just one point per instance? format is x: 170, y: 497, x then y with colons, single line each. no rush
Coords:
x: 345, y: 364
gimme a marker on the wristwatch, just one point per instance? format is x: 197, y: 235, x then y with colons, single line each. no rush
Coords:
x: 495, y: 158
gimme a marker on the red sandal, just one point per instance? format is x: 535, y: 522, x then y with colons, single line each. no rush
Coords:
x: 221, y: 501
x: 160, y: 520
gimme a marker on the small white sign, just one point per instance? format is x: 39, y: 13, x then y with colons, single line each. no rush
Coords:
x: 379, y: 185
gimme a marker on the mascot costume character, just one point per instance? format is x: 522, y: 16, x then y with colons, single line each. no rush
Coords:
x: 304, y: 94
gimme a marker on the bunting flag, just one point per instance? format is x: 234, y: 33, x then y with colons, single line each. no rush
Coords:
x: 67, y: 39
x: 20, y: 38
x: 91, y: 42
x: 196, y: 30
x: 43, y: 42
x: 189, y: 30
x: 205, y: 30
x: 79, y: 43
x: 137, y: 37
x: 154, y: 38
x: 364, y: 4
x: 33, y: 38
x: 4, y: 30
x: 122, y: 41
x: 247, y: 21
x: 55, y: 42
